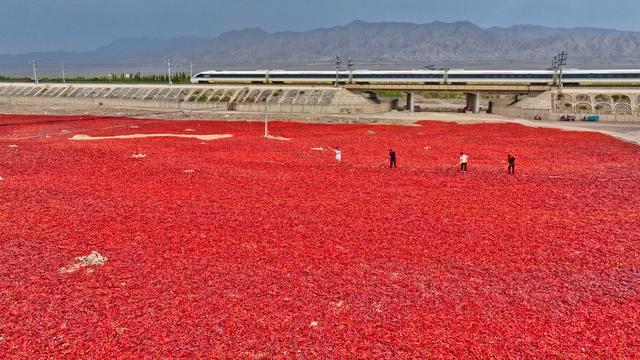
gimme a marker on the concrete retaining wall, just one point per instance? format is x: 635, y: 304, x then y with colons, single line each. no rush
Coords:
x: 166, y: 105
x: 316, y: 109
x: 541, y: 101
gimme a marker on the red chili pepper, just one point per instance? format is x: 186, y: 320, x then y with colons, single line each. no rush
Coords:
x: 271, y: 249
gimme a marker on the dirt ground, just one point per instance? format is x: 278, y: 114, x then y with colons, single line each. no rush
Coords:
x: 625, y: 131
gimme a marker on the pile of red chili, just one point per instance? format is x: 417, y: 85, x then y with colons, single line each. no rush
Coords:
x: 247, y: 247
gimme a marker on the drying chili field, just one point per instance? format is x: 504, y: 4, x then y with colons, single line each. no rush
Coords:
x: 117, y: 244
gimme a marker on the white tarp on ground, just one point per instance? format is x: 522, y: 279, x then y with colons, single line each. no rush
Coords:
x: 140, y: 136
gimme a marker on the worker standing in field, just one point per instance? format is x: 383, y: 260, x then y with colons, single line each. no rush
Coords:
x: 392, y: 159
x: 464, y: 159
x: 511, y: 169
x: 338, y: 154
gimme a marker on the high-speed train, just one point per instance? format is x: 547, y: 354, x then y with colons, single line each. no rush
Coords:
x: 427, y: 77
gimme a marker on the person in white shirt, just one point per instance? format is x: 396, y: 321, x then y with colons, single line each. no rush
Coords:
x: 338, y: 154
x: 464, y: 159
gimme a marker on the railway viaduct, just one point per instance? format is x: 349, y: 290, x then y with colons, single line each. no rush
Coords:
x: 473, y: 92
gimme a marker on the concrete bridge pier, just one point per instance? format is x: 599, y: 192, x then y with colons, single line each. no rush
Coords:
x: 473, y: 102
x: 411, y: 102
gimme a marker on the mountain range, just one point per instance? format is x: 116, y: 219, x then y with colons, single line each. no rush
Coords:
x: 370, y: 45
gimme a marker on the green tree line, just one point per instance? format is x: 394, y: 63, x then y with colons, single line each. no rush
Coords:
x: 179, y: 77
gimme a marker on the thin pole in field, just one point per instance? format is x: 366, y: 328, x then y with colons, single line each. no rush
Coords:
x: 266, y: 119
x: 338, y: 62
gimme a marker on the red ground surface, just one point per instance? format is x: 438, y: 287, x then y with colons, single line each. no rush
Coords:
x: 270, y: 249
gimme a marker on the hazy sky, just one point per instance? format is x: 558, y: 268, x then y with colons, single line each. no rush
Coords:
x: 38, y: 25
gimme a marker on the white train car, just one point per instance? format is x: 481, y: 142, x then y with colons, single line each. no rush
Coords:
x: 398, y: 77
x: 230, y: 77
x: 601, y: 77
x: 529, y: 77
x: 306, y: 77
x: 428, y: 77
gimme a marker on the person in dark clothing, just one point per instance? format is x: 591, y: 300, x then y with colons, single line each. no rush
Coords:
x: 512, y: 165
x: 392, y: 159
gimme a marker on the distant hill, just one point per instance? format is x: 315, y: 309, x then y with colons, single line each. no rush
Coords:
x: 371, y: 45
